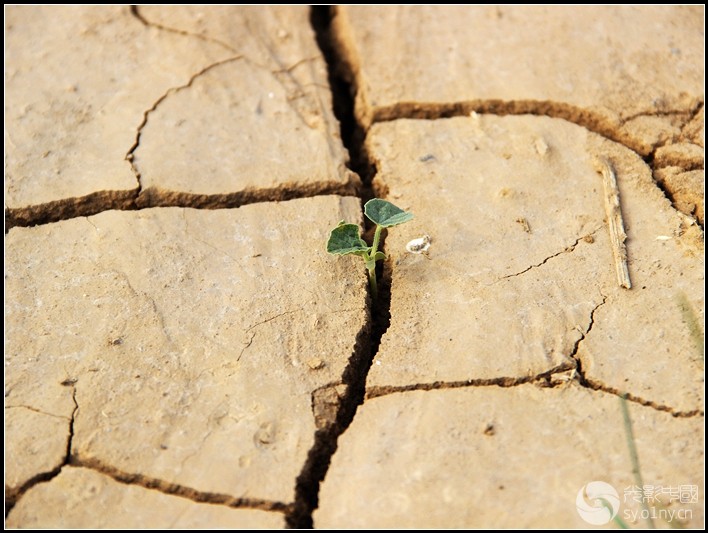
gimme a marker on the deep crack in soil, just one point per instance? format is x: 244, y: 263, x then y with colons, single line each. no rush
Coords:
x: 334, y: 414
x: 369, y: 338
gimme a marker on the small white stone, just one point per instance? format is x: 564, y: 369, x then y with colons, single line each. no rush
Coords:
x: 419, y: 246
x: 541, y: 146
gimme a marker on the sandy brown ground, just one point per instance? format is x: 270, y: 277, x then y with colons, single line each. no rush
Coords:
x: 180, y: 350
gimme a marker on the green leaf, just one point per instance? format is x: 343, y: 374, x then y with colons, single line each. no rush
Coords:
x: 385, y: 213
x: 371, y: 261
x: 344, y: 239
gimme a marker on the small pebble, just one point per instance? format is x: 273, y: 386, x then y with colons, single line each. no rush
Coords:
x: 315, y: 363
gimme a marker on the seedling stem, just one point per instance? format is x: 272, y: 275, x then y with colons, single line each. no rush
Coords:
x: 345, y: 239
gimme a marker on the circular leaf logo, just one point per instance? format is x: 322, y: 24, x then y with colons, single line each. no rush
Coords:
x: 597, y: 503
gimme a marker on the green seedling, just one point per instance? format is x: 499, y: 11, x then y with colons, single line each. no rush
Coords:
x: 345, y: 239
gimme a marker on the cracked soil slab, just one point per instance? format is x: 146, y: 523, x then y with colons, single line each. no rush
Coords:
x: 519, y: 279
x: 262, y: 121
x: 187, y: 336
x: 78, y: 80
x: 635, y: 72
x: 87, y: 86
x: 482, y: 457
x: 79, y: 498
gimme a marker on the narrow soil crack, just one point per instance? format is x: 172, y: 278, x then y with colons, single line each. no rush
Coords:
x: 175, y: 489
x: 686, y: 114
x: 593, y: 384
x: 130, y: 155
x: 544, y: 379
x: 13, y: 494
x: 566, y: 250
x: 125, y: 200
x: 599, y: 386
x: 70, y: 440
x: 135, y: 12
x: 580, y: 375
x: 504, y: 382
x: 35, y: 410
x: 696, y: 112
x: 334, y: 406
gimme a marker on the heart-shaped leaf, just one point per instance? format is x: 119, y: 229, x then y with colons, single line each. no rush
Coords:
x: 344, y: 239
x: 385, y: 214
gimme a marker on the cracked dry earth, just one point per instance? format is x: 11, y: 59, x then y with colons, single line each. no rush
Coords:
x: 180, y: 351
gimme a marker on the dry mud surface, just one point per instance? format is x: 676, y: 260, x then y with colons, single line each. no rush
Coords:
x: 181, y: 351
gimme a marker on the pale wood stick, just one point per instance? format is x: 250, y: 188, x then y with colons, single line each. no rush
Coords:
x: 614, y: 218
